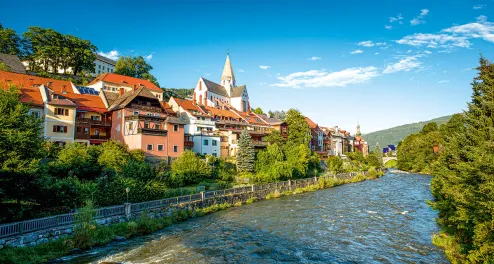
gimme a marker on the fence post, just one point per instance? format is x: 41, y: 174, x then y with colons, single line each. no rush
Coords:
x: 128, y: 214
x: 315, y: 179
x: 252, y: 187
x: 290, y: 185
x: 202, y: 196
x: 20, y: 228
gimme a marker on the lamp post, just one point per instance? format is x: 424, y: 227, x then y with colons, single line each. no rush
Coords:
x: 127, y: 190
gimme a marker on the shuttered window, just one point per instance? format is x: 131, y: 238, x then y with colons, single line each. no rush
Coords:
x: 59, y: 129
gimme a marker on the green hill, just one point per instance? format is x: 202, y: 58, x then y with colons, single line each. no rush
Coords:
x: 395, y: 134
x: 183, y: 93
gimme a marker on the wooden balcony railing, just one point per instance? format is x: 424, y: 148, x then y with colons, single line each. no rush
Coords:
x: 89, y: 121
x: 152, y: 131
x: 145, y: 117
x: 154, y: 109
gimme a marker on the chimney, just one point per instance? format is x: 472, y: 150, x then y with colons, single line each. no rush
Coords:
x: 121, y: 91
x: 134, y: 88
x: 48, y: 84
x: 64, y: 89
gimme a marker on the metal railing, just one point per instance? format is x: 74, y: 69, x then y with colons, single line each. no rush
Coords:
x: 19, y: 228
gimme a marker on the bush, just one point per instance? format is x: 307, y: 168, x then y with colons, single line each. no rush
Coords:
x: 335, y: 164
x: 372, y: 173
x: 188, y: 169
x: 251, y: 200
x: 85, y: 226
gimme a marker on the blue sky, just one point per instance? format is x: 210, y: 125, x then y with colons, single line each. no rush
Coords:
x: 379, y: 63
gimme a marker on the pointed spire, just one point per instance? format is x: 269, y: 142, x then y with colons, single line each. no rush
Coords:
x: 358, y: 130
x: 227, y: 70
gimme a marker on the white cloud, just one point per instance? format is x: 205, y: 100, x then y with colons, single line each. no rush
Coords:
x: 149, y: 57
x: 434, y: 41
x: 388, y: 27
x: 321, y: 78
x: 207, y: 74
x: 369, y: 43
x: 357, y: 51
x: 480, y: 29
x: 443, y: 81
x: 262, y: 83
x: 114, y: 54
x: 407, y: 63
x: 377, y: 53
x: 476, y: 7
x: 409, y: 51
x: 427, y: 52
x: 420, y: 18
x: 264, y: 67
x: 240, y: 70
x: 314, y: 58
x: 398, y: 19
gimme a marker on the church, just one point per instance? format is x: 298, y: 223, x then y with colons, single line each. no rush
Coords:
x: 227, y: 92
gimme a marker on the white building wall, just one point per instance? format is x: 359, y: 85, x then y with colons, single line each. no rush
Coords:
x: 212, y: 147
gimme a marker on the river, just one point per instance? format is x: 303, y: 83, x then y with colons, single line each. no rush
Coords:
x: 379, y: 221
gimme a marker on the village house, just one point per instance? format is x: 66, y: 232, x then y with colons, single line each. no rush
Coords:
x: 116, y: 83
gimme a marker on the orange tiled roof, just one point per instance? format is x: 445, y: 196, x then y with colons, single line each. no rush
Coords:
x: 251, y: 118
x: 168, y: 109
x: 125, y: 81
x: 221, y: 112
x: 312, y: 125
x: 188, y: 105
x: 29, y: 87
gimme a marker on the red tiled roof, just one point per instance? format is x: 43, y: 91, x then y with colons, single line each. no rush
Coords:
x: 312, y: 125
x: 188, y: 105
x: 168, y: 109
x: 29, y: 84
x: 125, y: 81
x: 251, y: 118
x: 221, y: 112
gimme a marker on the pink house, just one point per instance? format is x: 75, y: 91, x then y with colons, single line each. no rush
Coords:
x: 141, y: 121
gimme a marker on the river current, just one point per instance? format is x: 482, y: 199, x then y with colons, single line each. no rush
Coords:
x: 385, y: 220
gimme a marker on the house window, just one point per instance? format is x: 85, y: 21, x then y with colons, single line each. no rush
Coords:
x: 206, y: 142
x: 157, y: 126
x: 79, y: 129
x: 95, y: 118
x: 214, y: 154
x: 150, y: 147
x: 35, y: 113
x: 175, y: 128
x: 146, y: 124
x: 86, y: 130
x: 59, y: 129
x: 118, y: 128
x: 160, y: 148
x: 131, y: 125
x: 61, y: 111
x: 214, y: 142
x: 119, y: 113
x: 96, y: 132
x: 175, y: 148
x: 136, y: 112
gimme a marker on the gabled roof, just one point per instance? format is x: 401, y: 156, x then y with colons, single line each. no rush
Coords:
x: 270, y: 120
x: 221, y: 112
x: 123, y: 100
x: 228, y: 70
x: 13, y: 63
x: 251, y: 118
x: 168, y: 109
x: 311, y: 123
x: 215, y: 88
x: 54, y: 98
x: 188, y: 106
x: 126, y: 81
x: 31, y: 96
x: 237, y: 91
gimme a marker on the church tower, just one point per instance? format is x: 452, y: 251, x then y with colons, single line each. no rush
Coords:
x: 228, y: 78
x: 358, y: 130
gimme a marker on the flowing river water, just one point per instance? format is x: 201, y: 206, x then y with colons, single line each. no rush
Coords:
x: 379, y: 221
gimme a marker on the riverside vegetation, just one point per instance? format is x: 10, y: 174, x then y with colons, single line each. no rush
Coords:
x: 87, y: 234
x: 460, y: 156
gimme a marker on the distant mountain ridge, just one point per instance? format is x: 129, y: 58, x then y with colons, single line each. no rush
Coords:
x: 395, y: 134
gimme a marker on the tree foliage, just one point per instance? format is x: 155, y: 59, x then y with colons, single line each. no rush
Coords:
x: 133, y: 66
x: 10, y: 42
x: 298, y: 128
x: 246, y: 153
x: 258, y: 110
x: 335, y: 164
x: 189, y: 169
x: 275, y: 137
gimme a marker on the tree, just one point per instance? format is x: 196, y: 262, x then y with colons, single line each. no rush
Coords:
x: 258, y: 111
x: 275, y: 137
x: 373, y: 160
x: 463, y: 184
x: 133, y: 67
x: 379, y: 154
x: 188, y: 169
x: 151, y: 78
x: 21, y: 139
x: 10, y: 42
x: 298, y: 129
x: 246, y: 153
x: 78, y: 160
x: 335, y: 164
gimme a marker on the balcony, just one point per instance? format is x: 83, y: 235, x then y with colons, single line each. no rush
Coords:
x: 100, y: 137
x: 189, y: 144
x: 89, y: 121
x: 202, y: 122
x: 152, y: 131
x: 206, y: 133
x: 88, y: 136
x: 258, y: 143
x: 144, y: 117
x: 148, y: 108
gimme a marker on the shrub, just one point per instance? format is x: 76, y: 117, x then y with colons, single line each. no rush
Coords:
x: 335, y: 164
x: 85, y: 226
x: 188, y: 169
x: 372, y: 173
x: 251, y: 200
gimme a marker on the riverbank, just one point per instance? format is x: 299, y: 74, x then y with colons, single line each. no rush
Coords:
x: 102, y: 235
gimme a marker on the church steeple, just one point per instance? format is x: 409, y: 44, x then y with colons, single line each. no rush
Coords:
x: 358, y: 130
x: 228, y: 78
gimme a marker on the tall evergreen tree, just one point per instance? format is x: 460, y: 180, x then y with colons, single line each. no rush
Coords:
x: 10, y: 42
x: 464, y: 181
x: 246, y: 154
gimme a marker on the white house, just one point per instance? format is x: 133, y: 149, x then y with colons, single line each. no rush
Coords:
x: 213, y: 94
x: 199, y: 125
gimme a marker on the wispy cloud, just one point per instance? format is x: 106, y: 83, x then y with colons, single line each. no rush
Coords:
x: 322, y: 78
x: 455, y: 36
x: 420, y: 18
x: 314, y: 58
x: 398, y: 18
x: 388, y: 27
x: 357, y: 51
x: 370, y: 43
x: 240, y: 70
x: 377, y: 53
x: 149, y: 57
x: 406, y: 63
x: 114, y: 54
x: 443, y: 81
x: 264, y: 67
x: 476, y: 7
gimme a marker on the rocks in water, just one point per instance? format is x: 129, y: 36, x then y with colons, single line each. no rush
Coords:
x: 119, y: 239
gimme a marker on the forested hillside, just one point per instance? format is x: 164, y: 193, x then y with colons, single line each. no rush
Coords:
x: 183, y: 93
x: 395, y: 134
